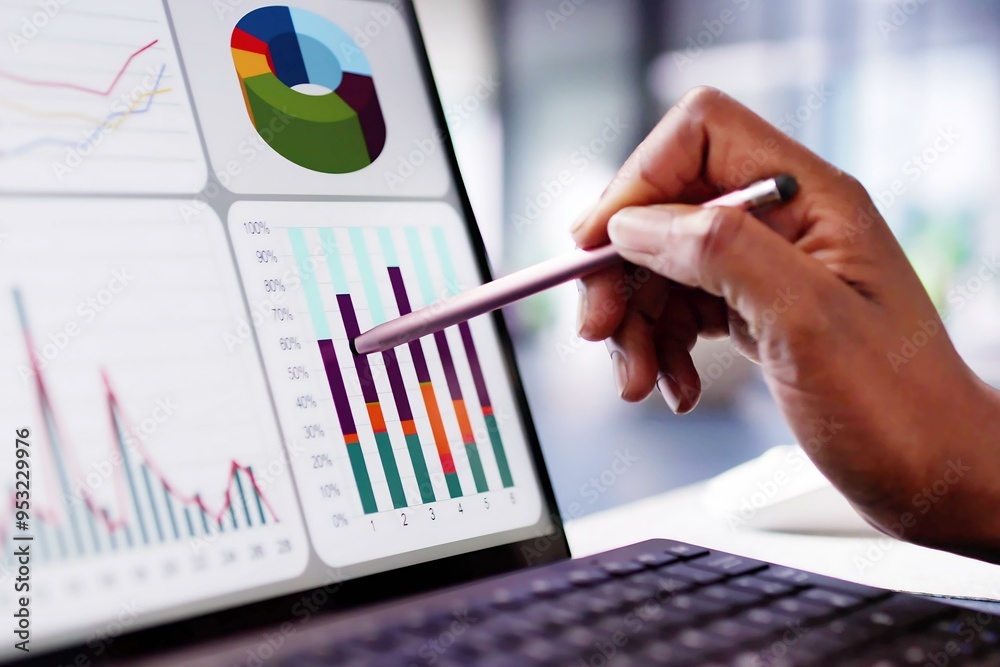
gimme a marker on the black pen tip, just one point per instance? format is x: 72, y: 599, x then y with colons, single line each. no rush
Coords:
x: 787, y: 186
x: 354, y: 349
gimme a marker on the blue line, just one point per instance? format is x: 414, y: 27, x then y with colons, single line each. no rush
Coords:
x: 53, y: 141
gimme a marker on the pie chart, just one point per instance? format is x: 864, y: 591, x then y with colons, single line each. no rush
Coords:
x: 309, y: 90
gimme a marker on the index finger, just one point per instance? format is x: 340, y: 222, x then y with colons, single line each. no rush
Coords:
x: 706, y: 145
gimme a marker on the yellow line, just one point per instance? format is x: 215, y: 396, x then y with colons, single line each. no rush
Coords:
x: 69, y: 115
x: 121, y: 119
x: 48, y: 115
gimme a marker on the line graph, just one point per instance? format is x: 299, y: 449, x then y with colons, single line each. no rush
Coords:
x: 86, y: 103
x: 156, y: 461
x: 139, y: 507
x: 113, y: 121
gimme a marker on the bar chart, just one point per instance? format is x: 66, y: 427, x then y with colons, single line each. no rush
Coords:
x: 409, y: 444
x: 155, y: 511
x: 157, y: 466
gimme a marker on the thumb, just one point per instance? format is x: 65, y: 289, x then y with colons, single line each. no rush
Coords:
x: 726, y: 252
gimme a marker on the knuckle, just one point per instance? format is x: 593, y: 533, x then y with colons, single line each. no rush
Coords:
x: 721, y: 228
x: 853, y: 187
x: 701, y: 99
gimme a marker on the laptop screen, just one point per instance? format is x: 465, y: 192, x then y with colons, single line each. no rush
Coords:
x: 202, y: 203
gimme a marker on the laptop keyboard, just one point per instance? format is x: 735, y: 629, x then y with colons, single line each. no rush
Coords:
x: 667, y: 603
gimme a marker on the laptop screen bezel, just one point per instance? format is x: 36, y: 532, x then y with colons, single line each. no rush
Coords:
x: 414, y: 579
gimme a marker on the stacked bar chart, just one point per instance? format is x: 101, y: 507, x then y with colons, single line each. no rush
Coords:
x: 403, y: 436
x: 331, y: 256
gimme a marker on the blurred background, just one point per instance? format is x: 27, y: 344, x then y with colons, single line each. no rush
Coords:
x: 546, y: 98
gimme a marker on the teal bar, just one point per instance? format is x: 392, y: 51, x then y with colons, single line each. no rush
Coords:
x: 391, y: 470
x: 363, y: 260
x: 307, y: 273
x: 420, y: 468
x: 498, y: 451
x: 450, y: 277
x: 420, y: 263
x: 333, y: 262
x: 388, y: 247
x: 476, y: 464
x: 364, y: 485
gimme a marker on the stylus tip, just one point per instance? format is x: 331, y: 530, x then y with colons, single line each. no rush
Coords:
x: 786, y: 185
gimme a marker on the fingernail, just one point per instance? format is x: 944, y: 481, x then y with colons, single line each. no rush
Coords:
x: 621, y: 371
x: 581, y: 313
x: 578, y: 223
x: 633, y: 229
x: 671, y: 393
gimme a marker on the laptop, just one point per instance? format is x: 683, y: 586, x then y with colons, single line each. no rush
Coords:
x: 202, y: 203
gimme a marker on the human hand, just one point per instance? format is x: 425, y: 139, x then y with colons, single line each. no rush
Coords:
x: 817, y: 291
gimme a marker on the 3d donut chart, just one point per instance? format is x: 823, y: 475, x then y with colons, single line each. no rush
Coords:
x: 308, y: 89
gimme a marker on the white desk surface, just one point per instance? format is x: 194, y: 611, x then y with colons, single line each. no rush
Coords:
x: 876, y: 560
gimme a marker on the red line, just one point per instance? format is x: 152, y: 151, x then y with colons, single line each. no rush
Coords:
x: 102, y: 514
x: 73, y: 86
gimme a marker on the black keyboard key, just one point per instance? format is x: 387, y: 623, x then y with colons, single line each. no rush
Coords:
x: 587, y: 576
x: 623, y: 568
x: 756, y: 584
x: 509, y: 599
x: 731, y: 597
x: 700, y: 641
x: 661, y: 583
x: 668, y: 654
x: 767, y: 619
x: 736, y: 631
x: 683, y: 550
x: 904, y: 611
x: 549, y: 587
x: 830, y: 598
x: 729, y: 565
x: 685, y: 572
x: 802, y: 609
x: 693, y: 606
x: 655, y: 559
x: 792, y: 577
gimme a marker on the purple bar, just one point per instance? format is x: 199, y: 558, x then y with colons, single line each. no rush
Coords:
x: 448, y: 363
x: 477, y: 370
x: 398, y: 388
x: 368, y: 389
x: 337, y: 387
x: 403, y: 304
